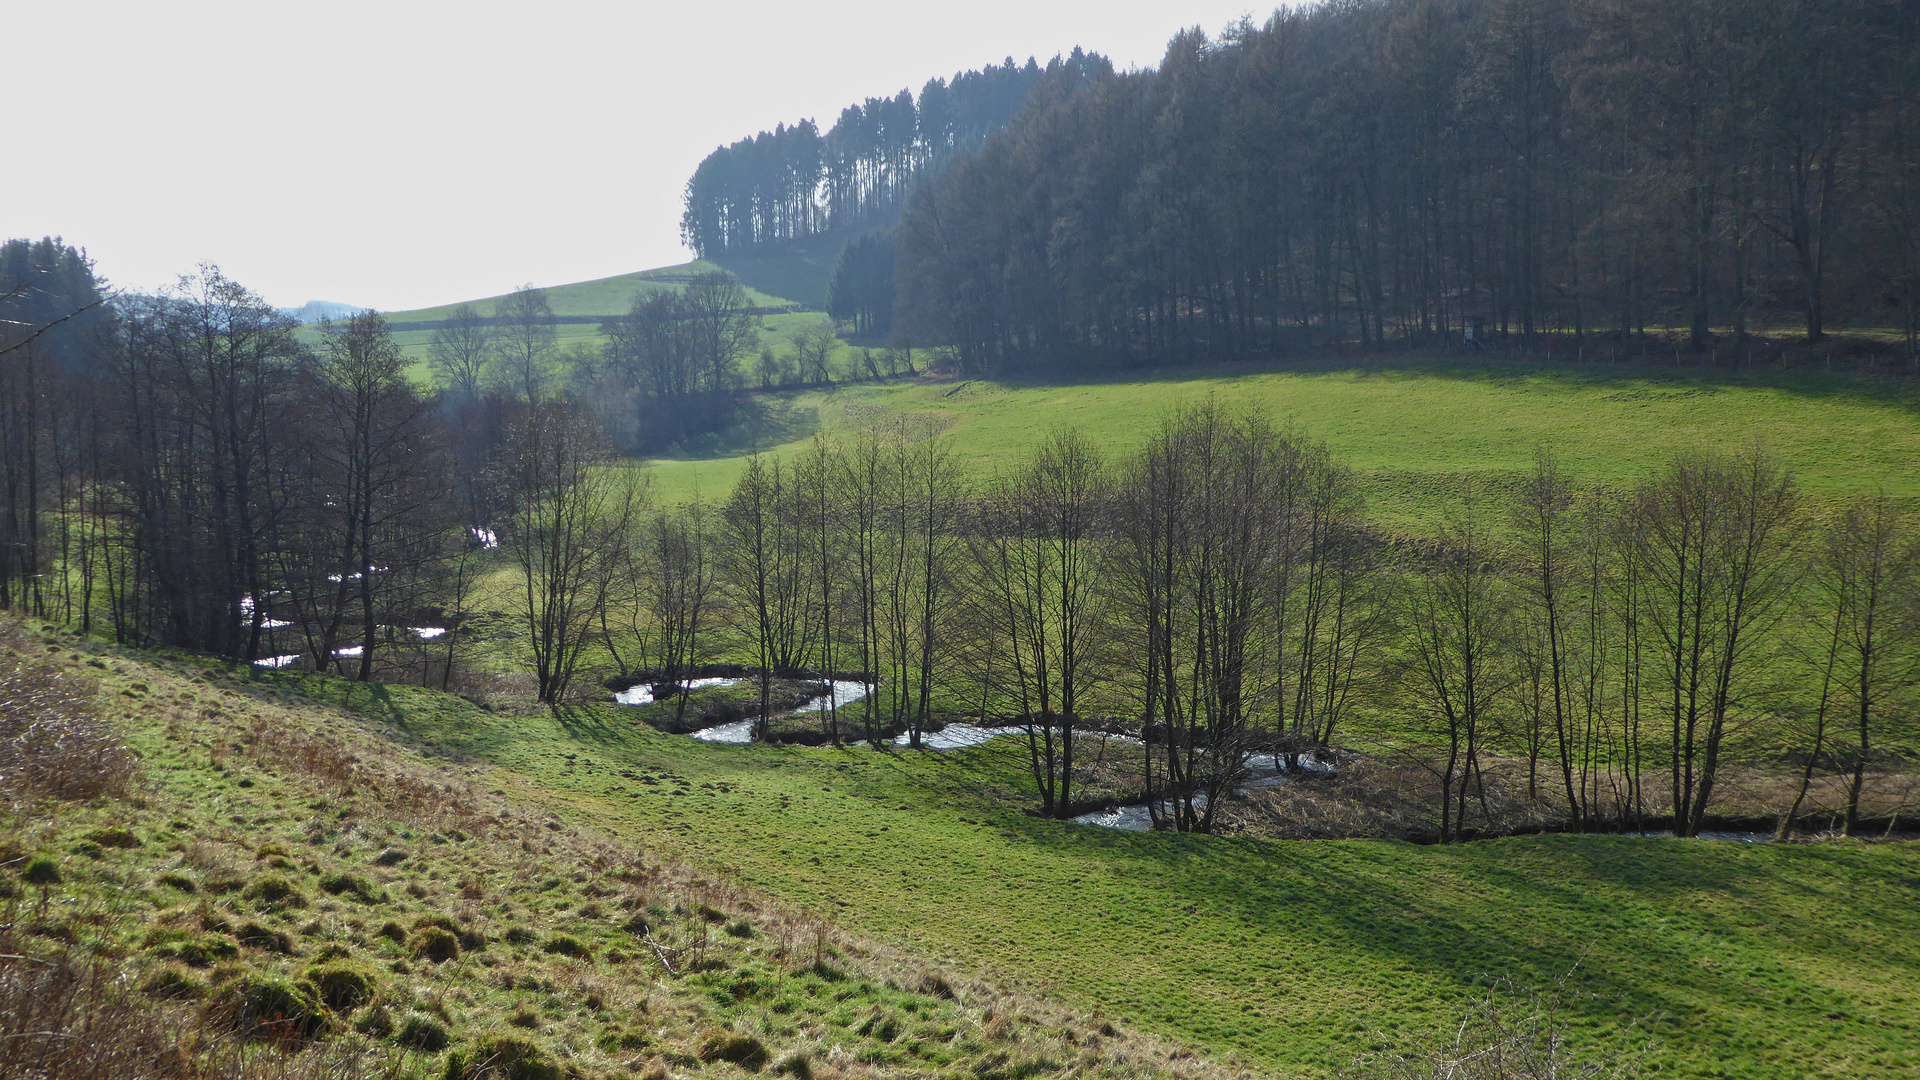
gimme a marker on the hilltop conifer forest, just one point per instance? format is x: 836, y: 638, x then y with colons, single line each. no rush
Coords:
x: 1385, y: 546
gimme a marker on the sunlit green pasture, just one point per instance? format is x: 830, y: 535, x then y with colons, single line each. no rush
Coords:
x: 1413, y: 432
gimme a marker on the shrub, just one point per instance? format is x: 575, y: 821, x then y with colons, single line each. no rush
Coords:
x: 114, y: 837
x: 519, y: 935
x: 390, y: 857
x: 524, y: 1017
x: 739, y: 928
x: 223, y: 882
x: 423, y: 1033
x: 69, y: 1017
x: 392, y: 931
x: 344, y: 987
x: 42, y: 871
x: 435, y: 944
x: 177, y: 881
x: 502, y: 1056
x: 564, y: 945
x: 471, y: 940
x: 742, y: 1050
x: 266, y: 1008
x: 881, y: 1026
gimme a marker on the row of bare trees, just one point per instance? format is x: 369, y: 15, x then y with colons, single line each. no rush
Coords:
x: 1220, y: 591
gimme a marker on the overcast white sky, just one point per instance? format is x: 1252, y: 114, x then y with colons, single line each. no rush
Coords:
x: 402, y: 154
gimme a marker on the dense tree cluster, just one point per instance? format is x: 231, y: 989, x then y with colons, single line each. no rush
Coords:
x: 673, y: 360
x: 861, y: 292
x: 186, y: 470
x: 792, y: 183
x: 1414, y: 170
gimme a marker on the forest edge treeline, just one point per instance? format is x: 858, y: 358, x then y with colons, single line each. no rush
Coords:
x: 1595, y: 177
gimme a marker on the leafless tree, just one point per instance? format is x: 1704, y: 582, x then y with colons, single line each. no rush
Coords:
x: 1331, y: 606
x: 366, y: 512
x: 1862, y: 585
x: 763, y: 558
x: 682, y: 593
x: 525, y: 338
x: 571, y: 515
x: 461, y: 351
x: 1715, y: 552
x: 819, y: 514
x: 1455, y: 612
x: 721, y: 328
x: 813, y: 349
x: 868, y: 486
x: 1541, y: 518
x: 1036, y: 547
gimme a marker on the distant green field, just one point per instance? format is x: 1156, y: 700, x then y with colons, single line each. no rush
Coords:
x: 1411, y: 431
x: 604, y: 297
x: 1732, y: 960
x: 601, y: 296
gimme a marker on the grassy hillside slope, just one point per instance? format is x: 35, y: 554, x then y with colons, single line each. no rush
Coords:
x: 276, y: 872
x: 1411, y: 429
x: 1733, y: 960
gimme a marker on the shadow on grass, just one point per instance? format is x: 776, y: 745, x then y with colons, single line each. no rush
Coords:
x: 1903, y: 395
x: 759, y: 423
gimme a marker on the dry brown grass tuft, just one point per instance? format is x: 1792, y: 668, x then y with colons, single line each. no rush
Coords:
x: 51, y: 743
x: 70, y: 1018
x: 1504, y: 1036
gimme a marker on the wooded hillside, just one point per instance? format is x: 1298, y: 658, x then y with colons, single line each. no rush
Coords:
x: 1390, y: 171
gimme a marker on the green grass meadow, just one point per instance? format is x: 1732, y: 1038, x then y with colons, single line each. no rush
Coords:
x: 1411, y: 431
x: 1722, y: 959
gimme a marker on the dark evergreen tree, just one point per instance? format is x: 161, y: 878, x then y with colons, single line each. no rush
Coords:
x: 861, y: 290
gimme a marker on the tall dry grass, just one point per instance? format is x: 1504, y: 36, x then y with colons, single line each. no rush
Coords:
x: 52, y: 745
